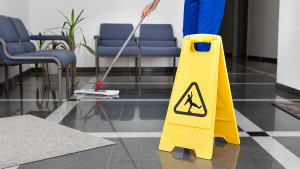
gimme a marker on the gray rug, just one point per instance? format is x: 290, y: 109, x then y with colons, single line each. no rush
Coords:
x: 25, y: 139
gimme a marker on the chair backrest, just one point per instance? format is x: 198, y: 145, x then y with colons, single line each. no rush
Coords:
x: 157, y: 35
x: 9, y: 35
x: 23, y: 34
x: 115, y: 34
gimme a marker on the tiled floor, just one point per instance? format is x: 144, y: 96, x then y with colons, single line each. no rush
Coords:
x: 269, y: 137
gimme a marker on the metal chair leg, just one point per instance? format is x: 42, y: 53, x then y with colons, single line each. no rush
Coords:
x: 20, y: 74
x: 73, y: 72
x: 174, y: 64
x: 67, y: 78
x: 97, y: 65
x: 136, y: 66
x: 60, y: 84
x: 140, y: 65
x: 20, y: 70
x: 6, y: 78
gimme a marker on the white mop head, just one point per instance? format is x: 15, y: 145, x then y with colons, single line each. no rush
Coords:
x: 99, y: 92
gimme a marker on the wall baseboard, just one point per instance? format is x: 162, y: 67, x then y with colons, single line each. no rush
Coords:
x: 287, y: 89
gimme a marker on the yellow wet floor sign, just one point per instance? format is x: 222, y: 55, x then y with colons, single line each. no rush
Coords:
x: 201, y: 105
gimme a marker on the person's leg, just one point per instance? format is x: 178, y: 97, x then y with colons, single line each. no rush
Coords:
x: 190, y: 18
x: 209, y: 19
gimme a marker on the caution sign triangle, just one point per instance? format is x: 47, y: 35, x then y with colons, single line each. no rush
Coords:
x: 191, y: 102
x: 194, y: 116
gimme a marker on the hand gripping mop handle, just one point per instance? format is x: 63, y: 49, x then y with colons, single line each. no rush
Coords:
x: 125, y: 44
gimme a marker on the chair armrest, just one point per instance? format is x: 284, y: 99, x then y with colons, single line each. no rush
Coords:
x: 29, y: 58
x: 48, y: 37
x: 96, y: 37
x: 53, y: 37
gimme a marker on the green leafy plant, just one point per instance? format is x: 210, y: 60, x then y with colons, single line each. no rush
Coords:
x: 70, y: 27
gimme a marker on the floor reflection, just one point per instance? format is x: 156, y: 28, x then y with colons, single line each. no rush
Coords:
x: 223, y: 157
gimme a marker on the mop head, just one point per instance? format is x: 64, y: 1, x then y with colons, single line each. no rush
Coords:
x: 97, y: 92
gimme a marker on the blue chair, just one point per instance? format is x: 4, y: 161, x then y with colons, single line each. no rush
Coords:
x: 111, y: 39
x: 157, y: 40
x: 16, y: 49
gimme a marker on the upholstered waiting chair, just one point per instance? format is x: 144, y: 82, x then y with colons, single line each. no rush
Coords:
x: 111, y: 39
x: 16, y: 49
x: 157, y: 40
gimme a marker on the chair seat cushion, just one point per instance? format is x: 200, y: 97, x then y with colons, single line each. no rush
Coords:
x: 116, y: 43
x: 157, y: 44
x: 160, y: 51
x: 64, y: 56
x: 113, y: 51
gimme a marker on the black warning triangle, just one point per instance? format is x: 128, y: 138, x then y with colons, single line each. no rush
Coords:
x: 191, y: 102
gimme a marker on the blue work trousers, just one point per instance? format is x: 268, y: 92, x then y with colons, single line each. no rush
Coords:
x: 203, y: 17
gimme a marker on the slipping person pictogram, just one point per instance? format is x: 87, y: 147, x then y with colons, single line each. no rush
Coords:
x: 190, y: 100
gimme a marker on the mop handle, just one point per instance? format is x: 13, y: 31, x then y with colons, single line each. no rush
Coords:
x: 125, y: 44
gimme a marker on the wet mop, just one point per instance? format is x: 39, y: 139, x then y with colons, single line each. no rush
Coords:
x: 96, y: 91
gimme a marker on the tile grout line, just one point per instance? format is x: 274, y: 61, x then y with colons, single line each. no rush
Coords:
x: 166, y: 100
x: 158, y: 134
x: 139, y: 134
x: 110, y: 99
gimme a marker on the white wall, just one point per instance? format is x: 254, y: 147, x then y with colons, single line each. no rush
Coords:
x: 19, y: 9
x: 288, y: 68
x: 263, y: 28
x: 43, y: 14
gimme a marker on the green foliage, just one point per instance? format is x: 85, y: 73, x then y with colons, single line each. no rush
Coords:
x: 70, y: 27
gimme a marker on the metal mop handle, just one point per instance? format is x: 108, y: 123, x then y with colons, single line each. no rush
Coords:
x: 125, y: 44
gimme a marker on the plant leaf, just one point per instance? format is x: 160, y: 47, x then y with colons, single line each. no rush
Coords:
x: 89, y: 49
x: 81, y: 20
x: 72, y: 17
x: 65, y: 16
x: 79, y: 16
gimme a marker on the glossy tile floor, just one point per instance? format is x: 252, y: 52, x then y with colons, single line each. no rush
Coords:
x: 269, y: 137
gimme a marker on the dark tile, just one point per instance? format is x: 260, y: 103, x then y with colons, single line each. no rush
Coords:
x: 107, y: 116
x: 40, y: 108
x: 251, y: 78
x: 68, y: 164
x: 127, y: 163
x: 135, y: 148
x: 258, y: 134
x: 267, y: 91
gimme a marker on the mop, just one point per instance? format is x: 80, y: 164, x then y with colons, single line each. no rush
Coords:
x: 97, y: 91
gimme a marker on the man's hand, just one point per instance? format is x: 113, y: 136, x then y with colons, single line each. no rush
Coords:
x: 146, y: 12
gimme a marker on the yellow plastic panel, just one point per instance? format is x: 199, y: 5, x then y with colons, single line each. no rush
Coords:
x: 191, y: 115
